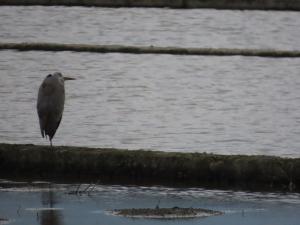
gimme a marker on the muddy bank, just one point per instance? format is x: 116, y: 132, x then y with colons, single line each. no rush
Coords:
x: 217, y: 4
x: 150, y: 167
x: 147, y: 50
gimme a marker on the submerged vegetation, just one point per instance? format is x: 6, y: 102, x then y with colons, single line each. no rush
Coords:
x: 150, y: 167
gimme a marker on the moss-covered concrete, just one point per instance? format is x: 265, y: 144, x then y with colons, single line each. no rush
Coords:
x: 147, y: 50
x: 150, y: 167
x: 217, y: 4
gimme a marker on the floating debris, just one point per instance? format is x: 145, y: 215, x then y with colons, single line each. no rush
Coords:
x: 166, y: 213
x: 44, y: 209
x: 86, y: 190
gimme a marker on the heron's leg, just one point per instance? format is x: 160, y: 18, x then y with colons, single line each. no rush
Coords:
x: 51, y: 143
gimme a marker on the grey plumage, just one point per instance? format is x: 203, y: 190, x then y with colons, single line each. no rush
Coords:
x: 50, y: 104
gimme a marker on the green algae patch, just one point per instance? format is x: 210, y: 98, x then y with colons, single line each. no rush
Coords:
x: 150, y: 167
x: 36, y: 46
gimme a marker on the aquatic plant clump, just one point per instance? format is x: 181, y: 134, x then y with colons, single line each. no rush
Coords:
x: 166, y: 213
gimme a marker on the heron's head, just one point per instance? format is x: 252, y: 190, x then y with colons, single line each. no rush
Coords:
x: 57, y: 76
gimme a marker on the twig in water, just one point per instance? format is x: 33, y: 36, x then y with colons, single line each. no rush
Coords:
x: 85, y: 190
x: 77, y: 190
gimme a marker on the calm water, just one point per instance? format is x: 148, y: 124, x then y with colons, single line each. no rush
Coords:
x: 160, y: 27
x: 32, y: 203
x: 228, y: 105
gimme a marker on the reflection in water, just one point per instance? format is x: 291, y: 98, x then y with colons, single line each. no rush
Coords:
x: 50, y: 216
x: 49, y: 198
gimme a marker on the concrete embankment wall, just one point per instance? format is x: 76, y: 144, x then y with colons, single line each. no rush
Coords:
x: 147, y: 50
x: 150, y: 167
x: 218, y: 4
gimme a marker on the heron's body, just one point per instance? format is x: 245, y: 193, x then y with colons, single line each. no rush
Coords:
x: 50, y: 104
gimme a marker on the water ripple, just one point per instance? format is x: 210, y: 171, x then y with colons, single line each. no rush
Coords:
x: 138, y: 26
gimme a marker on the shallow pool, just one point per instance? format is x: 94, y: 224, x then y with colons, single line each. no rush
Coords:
x: 56, y: 204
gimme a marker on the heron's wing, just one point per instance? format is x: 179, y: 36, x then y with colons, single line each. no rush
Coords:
x: 50, y: 108
x: 43, y: 121
x: 43, y: 116
x: 42, y: 106
x: 52, y: 127
x: 49, y: 121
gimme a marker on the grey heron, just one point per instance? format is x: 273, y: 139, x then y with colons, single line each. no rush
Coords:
x: 50, y: 103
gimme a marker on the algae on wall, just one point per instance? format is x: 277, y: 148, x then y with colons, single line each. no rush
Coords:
x: 150, y: 167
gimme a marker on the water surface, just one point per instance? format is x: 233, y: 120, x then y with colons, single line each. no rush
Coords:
x: 42, y: 203
x: 151, y: 26
x: 227, y: 105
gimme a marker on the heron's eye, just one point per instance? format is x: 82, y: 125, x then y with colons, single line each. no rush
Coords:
x: 49, y: 75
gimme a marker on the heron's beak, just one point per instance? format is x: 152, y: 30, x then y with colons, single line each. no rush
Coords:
x: 69, y: 78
